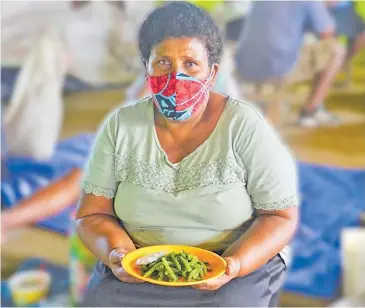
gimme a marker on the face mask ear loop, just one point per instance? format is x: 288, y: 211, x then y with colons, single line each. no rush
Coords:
x: 209, y: 79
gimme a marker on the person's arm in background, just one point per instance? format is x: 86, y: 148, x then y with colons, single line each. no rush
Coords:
x: 46, y: 202
x: 96, y: 222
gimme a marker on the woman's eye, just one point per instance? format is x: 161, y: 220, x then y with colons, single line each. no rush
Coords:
x: 164, y: 62
x: 190, y: 64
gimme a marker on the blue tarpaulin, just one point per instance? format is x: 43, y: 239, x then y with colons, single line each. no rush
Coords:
x: 332, y: 199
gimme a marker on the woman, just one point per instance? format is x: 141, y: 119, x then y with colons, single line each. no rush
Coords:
x: 187, y: 166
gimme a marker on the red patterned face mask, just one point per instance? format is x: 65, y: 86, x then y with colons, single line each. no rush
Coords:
x: 177, y: 96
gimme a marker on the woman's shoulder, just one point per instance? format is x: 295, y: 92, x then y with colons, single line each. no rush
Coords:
x: 244, y: 112
x: 138, y: 107
x: 137, y: 104
x: 132, y: 112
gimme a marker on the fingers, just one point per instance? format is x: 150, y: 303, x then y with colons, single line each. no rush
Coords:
x: 122, y: 275
x: 213, y: 284
x: 232, y: 271
x: 116, y: 256
x: 233, y: 267
x: 115, y: 264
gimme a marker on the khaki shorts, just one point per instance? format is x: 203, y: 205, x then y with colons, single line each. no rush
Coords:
x: 313, y: 58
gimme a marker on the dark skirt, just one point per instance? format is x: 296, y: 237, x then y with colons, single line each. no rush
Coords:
x: 259, y: 289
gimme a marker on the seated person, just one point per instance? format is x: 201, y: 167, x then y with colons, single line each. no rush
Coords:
x: 271, y: 51
x: 190, y: 166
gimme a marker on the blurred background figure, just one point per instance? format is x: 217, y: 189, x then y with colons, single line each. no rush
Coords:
x: 235, y: 16
x: 66, y: 64
x: 350, y: 29
x: 38, y: 92
x: 272, y: 49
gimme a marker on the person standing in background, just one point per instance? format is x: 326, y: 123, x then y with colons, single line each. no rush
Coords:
x: 271, y: 49
x: 350, y: 29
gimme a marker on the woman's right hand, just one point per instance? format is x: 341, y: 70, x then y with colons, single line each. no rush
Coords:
x: 115, y: 264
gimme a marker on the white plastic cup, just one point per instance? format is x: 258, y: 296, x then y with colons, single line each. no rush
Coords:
x: 29, y: 287
x: 353, y: 261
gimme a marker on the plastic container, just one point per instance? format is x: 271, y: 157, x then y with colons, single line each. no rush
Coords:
x: 29, y: 287
x: 353, y: 261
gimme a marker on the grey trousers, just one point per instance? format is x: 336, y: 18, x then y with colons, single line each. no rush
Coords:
x: 259, y: 289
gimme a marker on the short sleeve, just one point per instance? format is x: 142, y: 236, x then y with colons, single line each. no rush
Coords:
x: 99, y: 175
x: 319, y: 19
x: 271, y: 169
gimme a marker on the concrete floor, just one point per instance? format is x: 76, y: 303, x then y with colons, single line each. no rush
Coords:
x: 342, y: 146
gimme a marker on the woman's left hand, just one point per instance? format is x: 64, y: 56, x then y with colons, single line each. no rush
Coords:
x: 232, y: 271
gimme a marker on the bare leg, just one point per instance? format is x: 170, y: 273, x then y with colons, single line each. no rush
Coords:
x: 358, y: 46
x: 323, y: 80
x: 45, y: 203
x: 275, y: 106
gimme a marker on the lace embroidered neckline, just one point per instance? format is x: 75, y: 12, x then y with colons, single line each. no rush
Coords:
x: 198, y: 149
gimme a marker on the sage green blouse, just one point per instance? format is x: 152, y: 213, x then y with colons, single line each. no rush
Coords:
x: 206, y: 198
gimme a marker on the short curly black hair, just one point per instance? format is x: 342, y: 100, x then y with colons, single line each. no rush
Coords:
x: 180, y: 19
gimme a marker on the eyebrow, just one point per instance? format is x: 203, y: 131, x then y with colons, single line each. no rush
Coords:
x: 186, y: 55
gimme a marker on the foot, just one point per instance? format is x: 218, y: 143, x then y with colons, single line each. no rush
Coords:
x: 317, y: 117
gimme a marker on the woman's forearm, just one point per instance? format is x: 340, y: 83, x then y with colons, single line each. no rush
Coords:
x: 265, y: 238
x: 101, y: 234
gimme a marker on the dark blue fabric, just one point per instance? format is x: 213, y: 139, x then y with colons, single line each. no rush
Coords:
x: 332, y: 199
x: 21, y: 177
